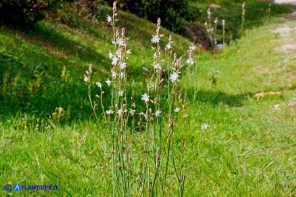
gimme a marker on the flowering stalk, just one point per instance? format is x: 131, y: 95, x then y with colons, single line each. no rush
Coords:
x: 191, y: 63
x: 215, y: 30
x: 150, y: 174
x: 223, y: 31
x: 243, y: 16
x: 157, y: 81
x: 209, y: 27
x: 120, y: 151
x: 269, y: 12
x: 87, y: 80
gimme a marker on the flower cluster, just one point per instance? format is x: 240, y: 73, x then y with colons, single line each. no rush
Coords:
x: 88, y: 74
x: 122, y: 111
x: 190, y: 60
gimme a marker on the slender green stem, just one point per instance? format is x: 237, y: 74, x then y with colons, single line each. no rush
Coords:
x: 90, y: 100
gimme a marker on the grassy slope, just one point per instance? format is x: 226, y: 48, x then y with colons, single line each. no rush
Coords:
x: 250, y: 147
x: 42, y: 54
x: 248, y: 150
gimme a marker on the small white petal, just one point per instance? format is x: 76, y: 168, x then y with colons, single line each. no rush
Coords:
x: 190, y: 61
x: 157, y: 113
x: 122, y: 65
x: 114, y: 60
x: 109, y: 19
x: 132, y: 112
x: 157, y: 66
x: 174, y: 77
x: 113, y: 73
x: 168, y: 46
x: 85, y: 78
x: 145, y: 97
x: 204, y: 126
x: 110, y: 55
x: 108, y: 82
x: 276, y: 107
x: 99, y: 84
x: 119, y: 112
x: 110, y: 111
x: 177, y: 110
x: 155, y: 39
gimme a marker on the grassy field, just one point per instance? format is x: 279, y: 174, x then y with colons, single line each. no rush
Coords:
x: 235, y: 144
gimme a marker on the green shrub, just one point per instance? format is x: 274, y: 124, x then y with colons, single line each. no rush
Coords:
x: 173, y: 14
x: 22, y: 13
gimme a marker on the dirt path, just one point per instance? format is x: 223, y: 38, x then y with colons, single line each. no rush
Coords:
x: 292, y: 2
x: 287, y: 33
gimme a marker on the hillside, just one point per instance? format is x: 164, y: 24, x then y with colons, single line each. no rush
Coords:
x: 33, y: 62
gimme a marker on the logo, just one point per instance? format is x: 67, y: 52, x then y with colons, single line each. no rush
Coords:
x: 7, y: 187
x: 17, y: 187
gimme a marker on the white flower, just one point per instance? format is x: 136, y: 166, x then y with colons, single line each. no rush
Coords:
x: 113, y: 73
x: 114, y: 60
x: 119, y: 112
x: 145, y: 97
x: 59, y: 109
x: 204, y: 126
x: 157, y: 66
x: 276, y: 107
x: 132, y: 112
x: 110, y: 55
x: 129, y: 51
x: 120, y: 42
x: 108, y: 82
x: 192, y: 48
x: 216, y: 21
x: 185, y: 116
x: 177, y: 110
x: 168, y: 46
x: 119, y: 53
x: 223, y: 22
x: 122, y: 65
x: 174, y: 77
x: 190, y: 61
x: 145, y: 69
x: 155, y: 39
x: 110, y: 111
x: 143, y: 114
x: 99, y: 84
x: 120, y: 92
x: 209, y: 12
x: 109, y: 19
x: 85, y: 79
x: 122, y: 75
x: 157, y: 113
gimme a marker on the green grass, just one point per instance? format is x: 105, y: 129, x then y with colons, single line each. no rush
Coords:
x: 248, y: 149
x: 37, y: 58
x: 257, y: 13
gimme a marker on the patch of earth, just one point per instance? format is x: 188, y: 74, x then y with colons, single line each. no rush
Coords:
x: 267, y: 69
x: 284, y: 31
x: 287, y: 48
x: 292, y: 103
